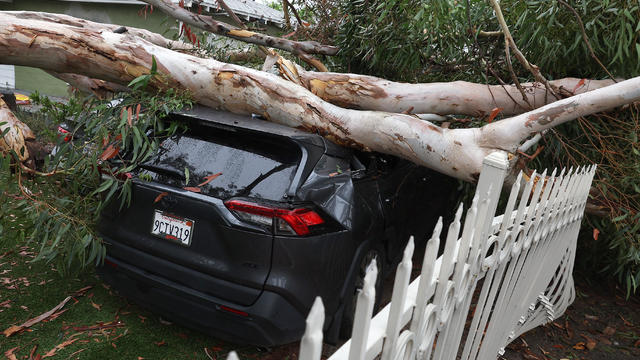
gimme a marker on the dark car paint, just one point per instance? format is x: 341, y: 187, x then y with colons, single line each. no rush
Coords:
x: 376, y: 200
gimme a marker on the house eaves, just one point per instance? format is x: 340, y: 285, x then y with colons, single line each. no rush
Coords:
x: 247, y: 9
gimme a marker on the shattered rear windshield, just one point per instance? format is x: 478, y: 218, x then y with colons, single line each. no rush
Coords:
x: 251, y: 164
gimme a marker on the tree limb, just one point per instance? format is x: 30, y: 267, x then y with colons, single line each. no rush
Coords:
x: 100, y: 88
x: 535, y: 71
x: 514, y: 130
x: 490, y: 33
x: 514, y: 77
x: 302, y: 55
x: 372, y: 93
x: 209, y: 24
x: 152, y: 37
x: 458, y: 97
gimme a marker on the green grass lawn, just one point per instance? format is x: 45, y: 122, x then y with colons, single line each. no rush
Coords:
x: 101, y: 324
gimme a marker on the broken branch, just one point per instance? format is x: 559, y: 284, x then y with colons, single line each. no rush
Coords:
x: 14, y: 329
x: 209, y: 24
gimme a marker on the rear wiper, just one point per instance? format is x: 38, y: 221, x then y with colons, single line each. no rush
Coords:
x: 163, y: 170
x: 258, y: 180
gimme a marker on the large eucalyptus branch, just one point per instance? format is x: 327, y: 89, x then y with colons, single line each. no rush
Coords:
x: 361, y: 91
x: 445, y: 98
x: 121, y: 57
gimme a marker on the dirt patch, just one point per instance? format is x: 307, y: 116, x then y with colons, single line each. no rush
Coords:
x: 600, y: 324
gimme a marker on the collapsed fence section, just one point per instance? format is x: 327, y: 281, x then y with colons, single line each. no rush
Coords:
x: 519, y: 266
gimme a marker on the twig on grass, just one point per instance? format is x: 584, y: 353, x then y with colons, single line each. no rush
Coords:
x: 17, y: 328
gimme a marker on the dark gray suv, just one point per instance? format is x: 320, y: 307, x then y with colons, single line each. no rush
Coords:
x: 270, y: 218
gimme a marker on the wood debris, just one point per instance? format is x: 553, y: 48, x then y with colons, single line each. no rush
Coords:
x: 17, y: 328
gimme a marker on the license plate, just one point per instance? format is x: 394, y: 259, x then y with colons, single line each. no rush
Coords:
x: 173, y: 228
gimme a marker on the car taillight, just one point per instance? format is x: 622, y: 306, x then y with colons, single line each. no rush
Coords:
x: 64, y: 132
x: 288, y: 221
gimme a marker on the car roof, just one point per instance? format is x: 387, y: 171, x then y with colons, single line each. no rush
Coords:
x: 255, y: 123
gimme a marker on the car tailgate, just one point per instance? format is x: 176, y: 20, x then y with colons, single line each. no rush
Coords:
x: 229, y: 262
x: 224, y: 257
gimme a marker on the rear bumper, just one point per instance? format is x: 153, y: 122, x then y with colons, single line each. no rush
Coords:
x: 269, y: 321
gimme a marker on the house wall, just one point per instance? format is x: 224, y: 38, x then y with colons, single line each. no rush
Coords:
x: 7, y: 77
x: 32, y: 79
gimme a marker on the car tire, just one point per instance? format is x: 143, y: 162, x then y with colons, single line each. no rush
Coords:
x: 348, y: 315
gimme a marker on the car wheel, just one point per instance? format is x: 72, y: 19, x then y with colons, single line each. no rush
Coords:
x: 348, y: 316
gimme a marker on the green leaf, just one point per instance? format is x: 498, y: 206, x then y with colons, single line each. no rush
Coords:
x: 620, y: 218
x: 154, y: 65
x: 139, y: 82
x: 104, y: 186
x: 107, y: 198
x: 186, y: 176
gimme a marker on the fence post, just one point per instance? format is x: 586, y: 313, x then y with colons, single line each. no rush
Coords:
x: 364, y: 311
x: 494, y: 170
x: 400, y: 286
x: 311, y: 343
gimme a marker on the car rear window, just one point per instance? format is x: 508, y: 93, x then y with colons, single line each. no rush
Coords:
x: 251, y: 164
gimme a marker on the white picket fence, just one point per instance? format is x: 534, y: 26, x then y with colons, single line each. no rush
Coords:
x: 521, y: 262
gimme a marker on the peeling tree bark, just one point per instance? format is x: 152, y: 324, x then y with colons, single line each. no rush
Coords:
x: 17, y: 136
x: 458, y: 97
x: 120, y: 58
x: 63, y: 19
x: 506, y: 134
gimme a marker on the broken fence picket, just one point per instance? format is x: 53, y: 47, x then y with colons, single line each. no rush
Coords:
x: 521, y: 261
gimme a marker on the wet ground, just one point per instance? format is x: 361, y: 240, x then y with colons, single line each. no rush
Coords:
x: 600, y: 324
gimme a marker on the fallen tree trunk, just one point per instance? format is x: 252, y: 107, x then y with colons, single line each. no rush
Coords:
x: 120, y: 58
x: 364, y: 92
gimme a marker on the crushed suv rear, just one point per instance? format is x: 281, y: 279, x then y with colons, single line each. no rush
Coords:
x: 236, y: 225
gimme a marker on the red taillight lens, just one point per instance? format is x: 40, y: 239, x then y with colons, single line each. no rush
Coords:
x: 66, y: 133
x: 233, y: 311
x: 110, y: 263
x: 296, y: 220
